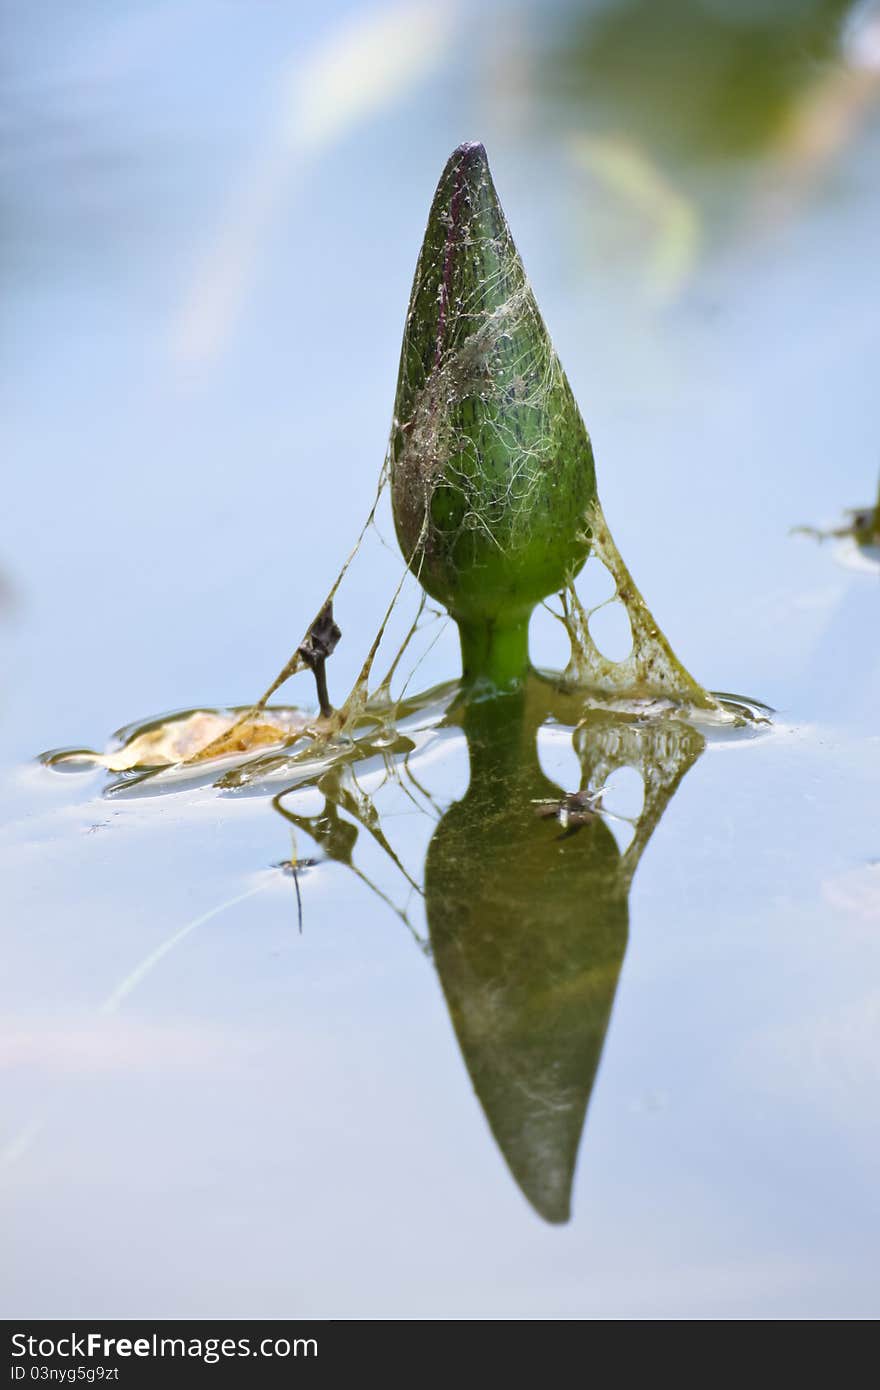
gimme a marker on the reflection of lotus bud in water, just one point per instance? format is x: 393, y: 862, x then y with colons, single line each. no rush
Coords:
x: 529, y: 921
x: 528, y: 932
x: 491, y: 465
x: 526, y: 896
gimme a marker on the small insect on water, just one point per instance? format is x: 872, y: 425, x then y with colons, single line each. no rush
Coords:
x: 294, y: 866
x: 572, y: 811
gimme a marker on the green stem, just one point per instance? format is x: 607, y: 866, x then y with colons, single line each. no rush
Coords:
x: 495, y: 651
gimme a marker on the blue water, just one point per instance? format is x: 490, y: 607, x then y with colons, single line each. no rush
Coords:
x: 208, y: 261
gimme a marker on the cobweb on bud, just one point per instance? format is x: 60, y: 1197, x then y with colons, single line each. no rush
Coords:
x: 651, y: 671
x: 507, y: 365
x: 649, y: 680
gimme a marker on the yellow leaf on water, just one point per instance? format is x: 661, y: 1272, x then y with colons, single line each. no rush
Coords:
x: 185, y: 739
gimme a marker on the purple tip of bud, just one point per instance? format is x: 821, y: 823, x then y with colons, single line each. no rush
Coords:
x: 469, y: 158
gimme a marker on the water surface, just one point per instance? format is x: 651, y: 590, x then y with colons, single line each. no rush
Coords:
x: 207, y: 1112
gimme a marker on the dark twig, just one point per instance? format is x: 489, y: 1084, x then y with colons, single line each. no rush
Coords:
x: 320, y: 643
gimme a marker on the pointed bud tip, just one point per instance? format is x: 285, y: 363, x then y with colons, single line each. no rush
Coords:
x: 469, y: 156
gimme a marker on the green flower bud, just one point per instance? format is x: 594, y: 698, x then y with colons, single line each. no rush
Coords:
x: 491, y: 464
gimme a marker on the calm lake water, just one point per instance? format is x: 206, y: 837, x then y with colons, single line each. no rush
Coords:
x: 212, y: 215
